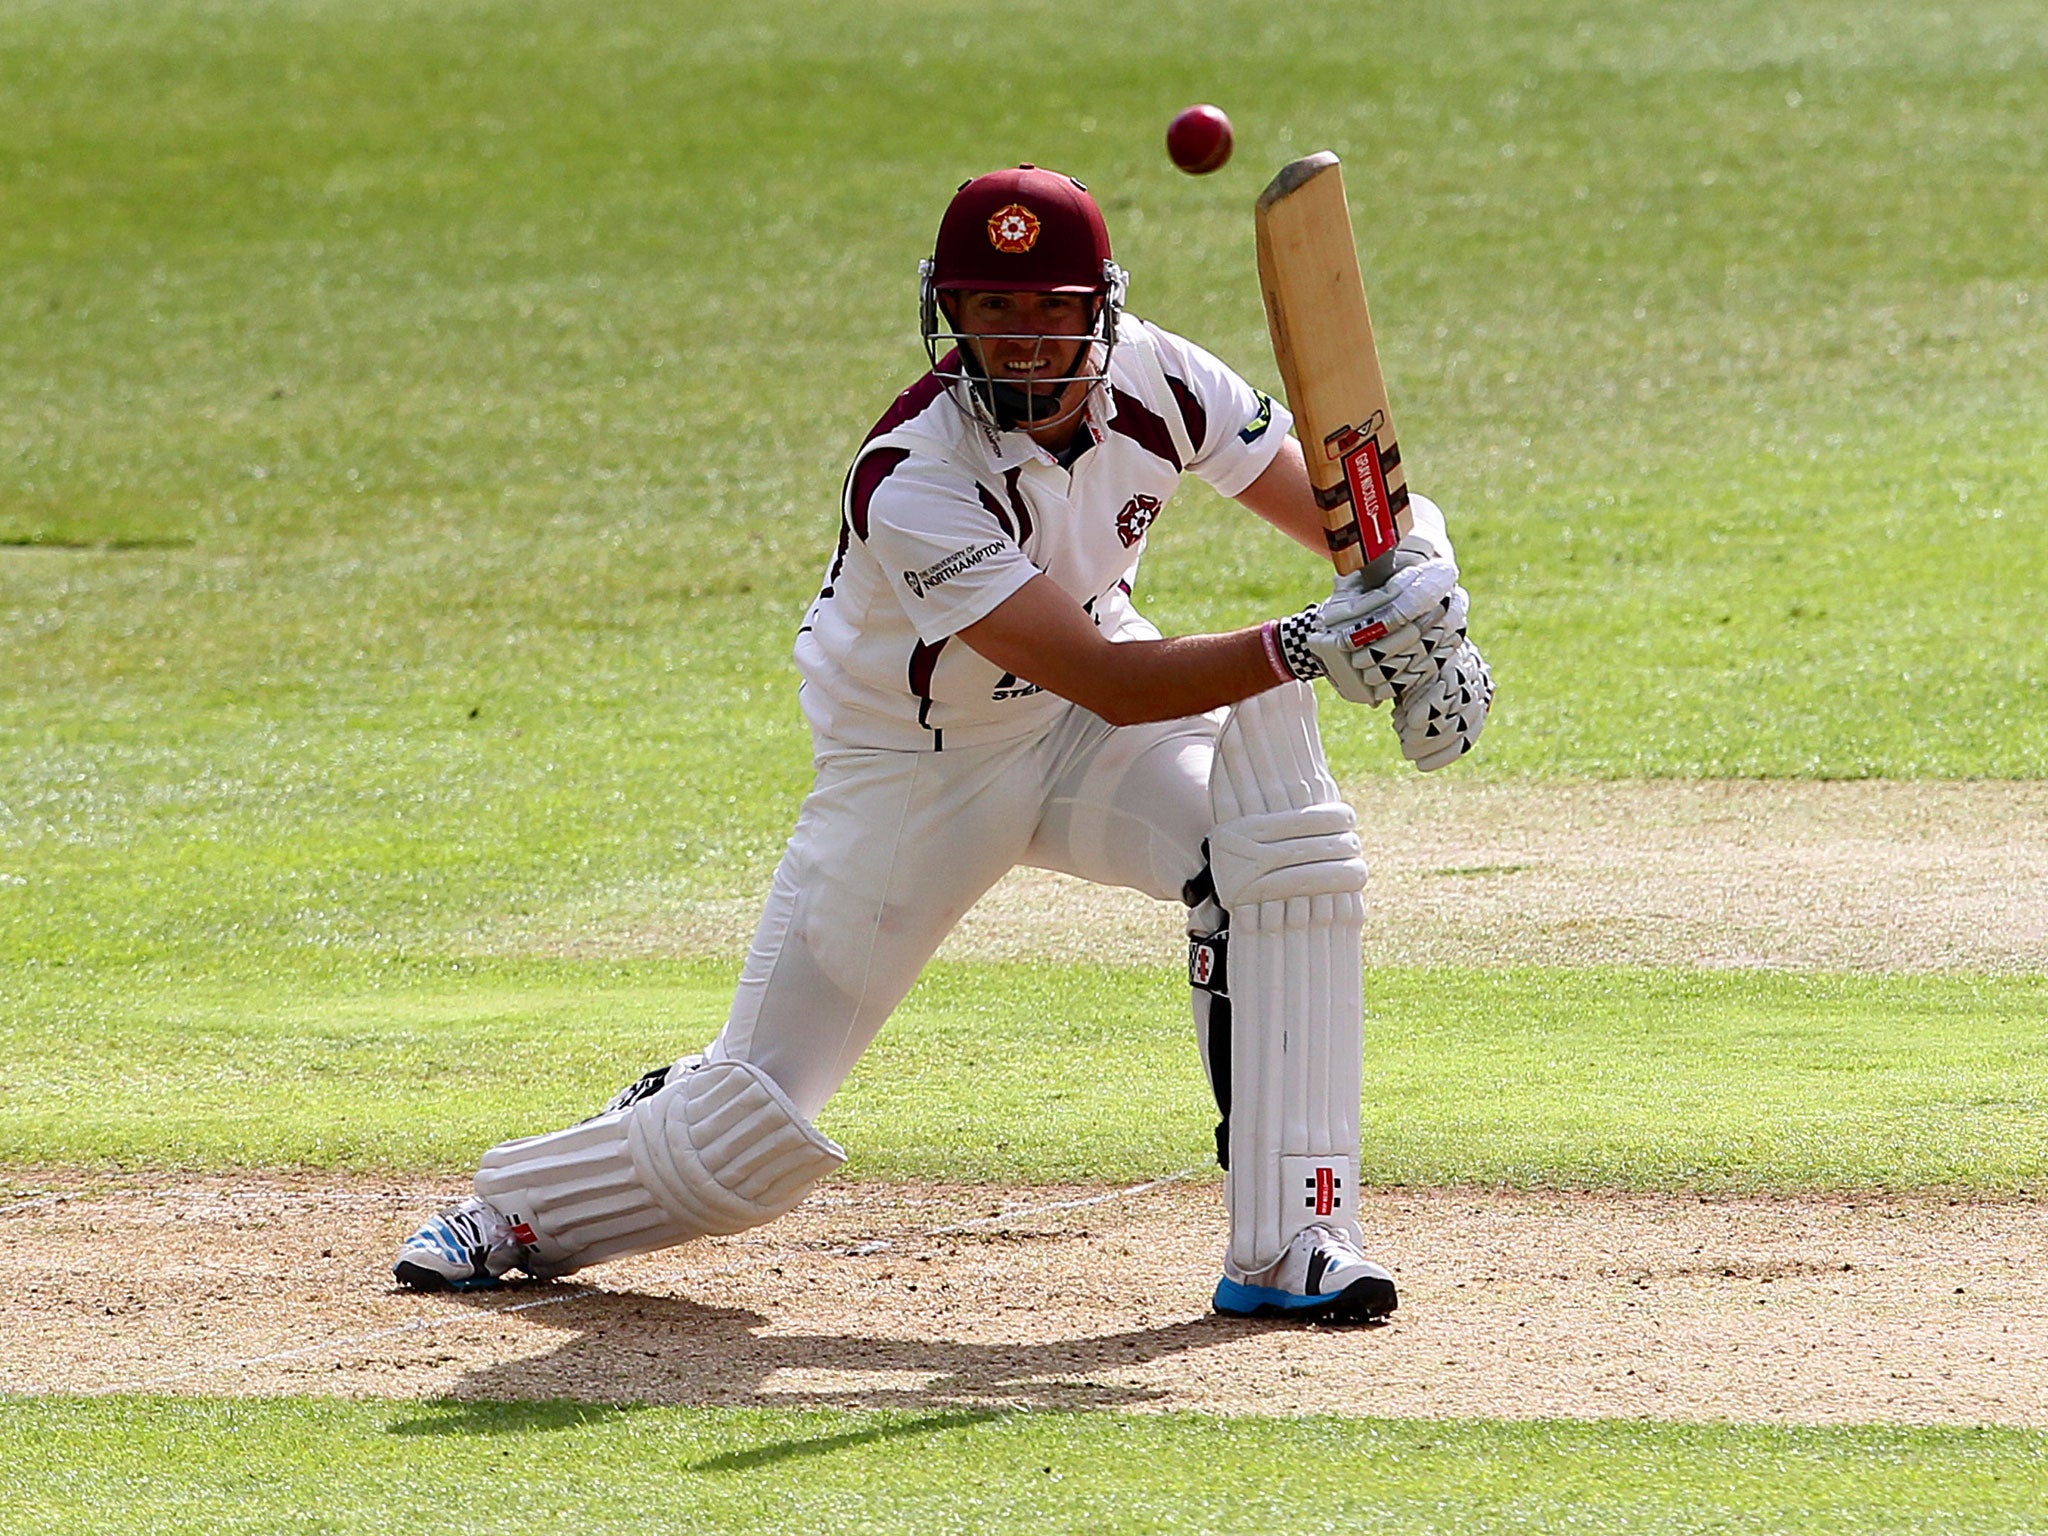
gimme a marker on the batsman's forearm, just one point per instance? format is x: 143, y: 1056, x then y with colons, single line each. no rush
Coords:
x: 1144, y: 680
x: 1043, y: 636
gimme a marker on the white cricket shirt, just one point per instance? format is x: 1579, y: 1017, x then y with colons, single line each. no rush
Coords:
x: 943, y: 517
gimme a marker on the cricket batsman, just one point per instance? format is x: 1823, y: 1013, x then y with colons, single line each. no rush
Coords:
x: 982, y: 693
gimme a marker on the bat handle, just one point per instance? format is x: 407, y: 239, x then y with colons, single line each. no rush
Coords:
x: 1350, y: 558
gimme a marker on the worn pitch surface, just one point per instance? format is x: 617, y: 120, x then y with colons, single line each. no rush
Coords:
x: 1514, y: 1305
x: 1864, y: 875
x: 1812, y: 1311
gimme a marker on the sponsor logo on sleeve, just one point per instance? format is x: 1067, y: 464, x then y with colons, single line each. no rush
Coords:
x: 937, y: 575
x: 1135, y: 518
x: 1255, y: 429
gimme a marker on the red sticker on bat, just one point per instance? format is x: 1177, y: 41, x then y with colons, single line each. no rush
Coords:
x: 1368, y: 483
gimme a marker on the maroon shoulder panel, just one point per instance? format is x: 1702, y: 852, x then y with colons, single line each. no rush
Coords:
x: 914, y: 400
x: 994, y: 508
x: 868, y: 473
x: 1144, y: 428
x: 1016, y: 521
x: 1024, y: 524
x: 1192, y: 416
x: 868, y: 476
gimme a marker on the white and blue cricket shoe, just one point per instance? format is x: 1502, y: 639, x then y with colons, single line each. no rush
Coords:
x: 469, y: 1248
x: 1321, y: 1278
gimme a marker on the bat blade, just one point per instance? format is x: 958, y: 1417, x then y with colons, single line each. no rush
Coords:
x: 1330, y: 364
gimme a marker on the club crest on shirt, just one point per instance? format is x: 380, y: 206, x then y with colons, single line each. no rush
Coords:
x: 1013, y: 229
x: 1135, y: 518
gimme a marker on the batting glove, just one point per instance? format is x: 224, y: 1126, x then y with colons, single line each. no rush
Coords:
x: 1376, y: 642
x: 1306, y: 646
x: 1441, y: 721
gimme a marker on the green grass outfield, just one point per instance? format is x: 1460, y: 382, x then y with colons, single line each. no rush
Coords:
x: 420, y: 429
x: 138, y: 1465
x: 1529, y: 1077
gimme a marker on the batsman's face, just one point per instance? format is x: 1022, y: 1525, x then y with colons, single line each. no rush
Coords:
x: 1024, y: 337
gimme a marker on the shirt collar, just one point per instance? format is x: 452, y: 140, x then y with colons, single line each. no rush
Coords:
x: 1006, y: 450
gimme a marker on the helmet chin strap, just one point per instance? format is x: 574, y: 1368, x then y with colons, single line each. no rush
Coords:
x: 1013, y: 407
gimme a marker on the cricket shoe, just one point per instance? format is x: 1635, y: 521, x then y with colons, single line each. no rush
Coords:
x: 469, y: 1248
x: 1321, y: 1278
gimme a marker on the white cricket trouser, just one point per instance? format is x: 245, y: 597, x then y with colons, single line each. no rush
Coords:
x: 892, y: 848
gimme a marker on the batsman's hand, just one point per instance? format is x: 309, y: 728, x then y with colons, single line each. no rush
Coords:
x: 1440, y: 721
x: 1376, y: 643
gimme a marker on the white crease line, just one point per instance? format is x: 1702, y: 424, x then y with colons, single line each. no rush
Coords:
x: 425, y: 1325
x: 193, y: 1199
x: 338, y: 1196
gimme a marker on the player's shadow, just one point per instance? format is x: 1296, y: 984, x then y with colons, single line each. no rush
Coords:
x: 447, y: 1417
x: 621, y: 1351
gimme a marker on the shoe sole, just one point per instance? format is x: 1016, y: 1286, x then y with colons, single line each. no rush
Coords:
x: 1369, y: 1300
x: 417, y: 1277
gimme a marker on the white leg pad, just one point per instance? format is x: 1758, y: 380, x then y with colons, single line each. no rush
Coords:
x: 1289, y: 869
x: 719, y: 1149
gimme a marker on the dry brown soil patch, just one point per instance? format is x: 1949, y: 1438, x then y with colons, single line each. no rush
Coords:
x: 1514, y: 1305
x: 1840, y: 876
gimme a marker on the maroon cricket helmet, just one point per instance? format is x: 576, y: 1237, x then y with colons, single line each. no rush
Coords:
x: 1022, y: 231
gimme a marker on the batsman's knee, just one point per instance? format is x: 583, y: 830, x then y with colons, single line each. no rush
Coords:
x: 712, y: 1147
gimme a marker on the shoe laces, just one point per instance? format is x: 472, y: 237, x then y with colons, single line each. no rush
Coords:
x: 477, y: 1225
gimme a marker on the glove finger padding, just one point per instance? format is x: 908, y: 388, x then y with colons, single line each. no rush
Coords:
x: 1440, y: 722
x: 1446, y: 632
x: 1413, y: 655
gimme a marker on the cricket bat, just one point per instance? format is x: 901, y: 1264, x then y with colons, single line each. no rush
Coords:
x: 1330, y: 366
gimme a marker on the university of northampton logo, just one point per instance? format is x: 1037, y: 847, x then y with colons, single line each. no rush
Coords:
x: 1013, y: 230
x: 1135, y: 518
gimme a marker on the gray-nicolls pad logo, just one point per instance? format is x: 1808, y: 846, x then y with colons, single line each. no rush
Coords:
x: 1323, y: 1193
x: 937, y: 575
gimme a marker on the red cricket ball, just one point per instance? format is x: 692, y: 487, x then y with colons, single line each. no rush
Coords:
x: 1199, y: 139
